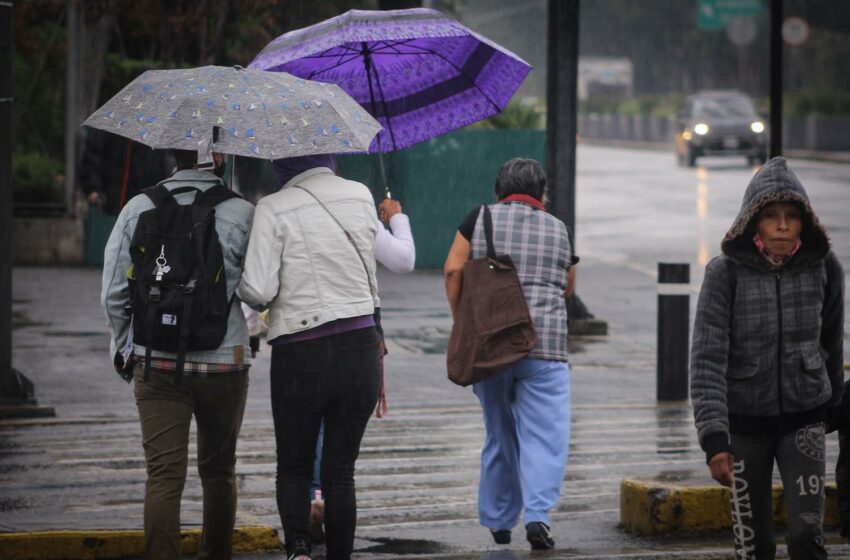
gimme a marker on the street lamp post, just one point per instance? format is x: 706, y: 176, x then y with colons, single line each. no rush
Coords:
x: 561, y: 130
x: 775, y: 78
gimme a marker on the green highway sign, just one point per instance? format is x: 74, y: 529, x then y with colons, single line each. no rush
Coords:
x: 716, y: 14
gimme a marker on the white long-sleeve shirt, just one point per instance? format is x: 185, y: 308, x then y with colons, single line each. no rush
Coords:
x: 395, y: 250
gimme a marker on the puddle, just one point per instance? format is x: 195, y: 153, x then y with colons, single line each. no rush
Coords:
x: 404, y: 546
x: 12, y: 504
x: 21, y: 320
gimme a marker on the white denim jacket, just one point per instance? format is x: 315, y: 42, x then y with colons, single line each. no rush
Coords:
x: 300, y: 264
x: 233, y: 222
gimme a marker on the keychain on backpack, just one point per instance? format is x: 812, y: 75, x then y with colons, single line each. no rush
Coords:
x: 161, y: 265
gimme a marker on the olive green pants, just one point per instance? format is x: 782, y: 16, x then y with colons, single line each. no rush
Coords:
x: 217, y: 402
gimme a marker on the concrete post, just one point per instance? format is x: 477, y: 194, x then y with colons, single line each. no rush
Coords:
x: 673, y: 326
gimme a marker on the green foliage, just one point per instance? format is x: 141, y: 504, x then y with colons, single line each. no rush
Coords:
x: 38, y: 110
x: 120, y: 71
x: 516, y: 116
x: 603, y: 104
x: 818, y: 102
x: 36, y: 178
x: 646, y: 105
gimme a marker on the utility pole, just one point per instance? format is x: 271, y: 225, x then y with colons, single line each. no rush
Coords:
x: 72, y: 103
x: 16, y: 391
x: 561, y: 129
x: 561, y: 99
x: 775, y: 78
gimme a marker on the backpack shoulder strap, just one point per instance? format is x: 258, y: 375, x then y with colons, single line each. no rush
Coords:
x: 158, y: 194
x: 214, y: 196
x: 732, y: 279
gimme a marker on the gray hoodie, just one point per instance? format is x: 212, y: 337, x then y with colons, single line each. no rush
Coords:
x: 767, y: 351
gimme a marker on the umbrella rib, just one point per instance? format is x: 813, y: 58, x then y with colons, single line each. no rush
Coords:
x: 337, y: 64
x: 384, y: 106
x: 462, y: 73
x: 393, y: 45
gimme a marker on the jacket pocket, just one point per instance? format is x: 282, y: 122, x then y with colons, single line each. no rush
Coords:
x: 812, y: 361
x: 741, y: 371
x: 813, y: 387
x: 747, y: 392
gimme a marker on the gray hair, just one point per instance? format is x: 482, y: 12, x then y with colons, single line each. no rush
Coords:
x: 521, y: 176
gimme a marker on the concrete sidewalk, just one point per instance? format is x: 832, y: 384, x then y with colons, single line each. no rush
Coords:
x: 417, y: 475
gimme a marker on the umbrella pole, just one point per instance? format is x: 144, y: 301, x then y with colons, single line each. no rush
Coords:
x: 387, y: 193
x: 367, y: 62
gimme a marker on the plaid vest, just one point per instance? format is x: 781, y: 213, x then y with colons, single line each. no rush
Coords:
x: 540, y: 248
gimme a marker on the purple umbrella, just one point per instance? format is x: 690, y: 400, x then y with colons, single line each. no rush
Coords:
x: 418, y: 72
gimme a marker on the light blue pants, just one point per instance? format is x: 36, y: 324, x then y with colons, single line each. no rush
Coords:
x: 527, y: 418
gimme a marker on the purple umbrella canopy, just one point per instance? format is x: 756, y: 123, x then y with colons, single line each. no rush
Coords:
x: 418, y: 72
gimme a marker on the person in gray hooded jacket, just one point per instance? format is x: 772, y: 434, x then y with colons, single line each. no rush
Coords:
x: 766, y: 362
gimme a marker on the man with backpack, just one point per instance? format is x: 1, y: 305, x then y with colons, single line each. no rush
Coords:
x: 171, y: 267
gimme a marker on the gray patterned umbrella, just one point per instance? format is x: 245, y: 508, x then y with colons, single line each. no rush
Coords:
x: 236, y: 111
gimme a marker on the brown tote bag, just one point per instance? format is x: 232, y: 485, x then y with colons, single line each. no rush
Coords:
x: 492, y: 327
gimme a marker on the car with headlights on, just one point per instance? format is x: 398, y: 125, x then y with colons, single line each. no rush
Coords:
x: 720, y: 123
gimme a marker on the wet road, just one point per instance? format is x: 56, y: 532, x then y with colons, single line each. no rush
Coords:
x: 418, y: 469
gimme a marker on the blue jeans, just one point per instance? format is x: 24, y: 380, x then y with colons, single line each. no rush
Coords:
x: 527, y: 419
x: 316, y: 484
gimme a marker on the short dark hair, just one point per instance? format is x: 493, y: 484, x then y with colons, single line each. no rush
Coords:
x: 521, y: 176
x: 185, y: 159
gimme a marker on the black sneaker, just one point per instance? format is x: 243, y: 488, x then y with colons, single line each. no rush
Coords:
x: 539, y: 536
x: 502, y: 536
x: 300, y: 551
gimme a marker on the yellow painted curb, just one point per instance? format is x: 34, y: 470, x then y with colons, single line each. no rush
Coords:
x: 654, y: 508
x: 86, y: 545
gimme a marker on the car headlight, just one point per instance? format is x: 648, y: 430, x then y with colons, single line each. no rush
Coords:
x: 701, y: 129
x: 757, y: 127
x: 687, y: 135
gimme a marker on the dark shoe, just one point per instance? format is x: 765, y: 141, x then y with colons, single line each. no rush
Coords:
x: 502, y: 536
x: 300, y: 551
x: 539, y: 536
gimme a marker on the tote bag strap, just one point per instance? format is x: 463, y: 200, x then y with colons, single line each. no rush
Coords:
x: 488, y: 231
x: 347, y: 235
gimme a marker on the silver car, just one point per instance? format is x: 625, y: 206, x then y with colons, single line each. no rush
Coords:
x: 720, y: 123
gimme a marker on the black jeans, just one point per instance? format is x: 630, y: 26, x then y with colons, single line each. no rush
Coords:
x: 337, y: 379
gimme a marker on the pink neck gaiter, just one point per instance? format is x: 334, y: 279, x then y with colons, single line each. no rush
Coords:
x: 775, y: 260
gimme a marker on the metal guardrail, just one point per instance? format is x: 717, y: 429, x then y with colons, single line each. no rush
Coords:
x: 38, y: 210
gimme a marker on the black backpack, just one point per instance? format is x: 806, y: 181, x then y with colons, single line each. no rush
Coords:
x: 178, y: 286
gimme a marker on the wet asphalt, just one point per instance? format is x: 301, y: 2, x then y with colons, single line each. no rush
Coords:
x: 418, y: 468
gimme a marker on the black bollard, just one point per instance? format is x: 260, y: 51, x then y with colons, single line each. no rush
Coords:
x: 673, y: 327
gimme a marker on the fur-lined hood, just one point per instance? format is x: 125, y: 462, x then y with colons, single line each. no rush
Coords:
x: 774, y: 183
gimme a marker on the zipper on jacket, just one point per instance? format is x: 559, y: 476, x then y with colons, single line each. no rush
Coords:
x: 779, y: 343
